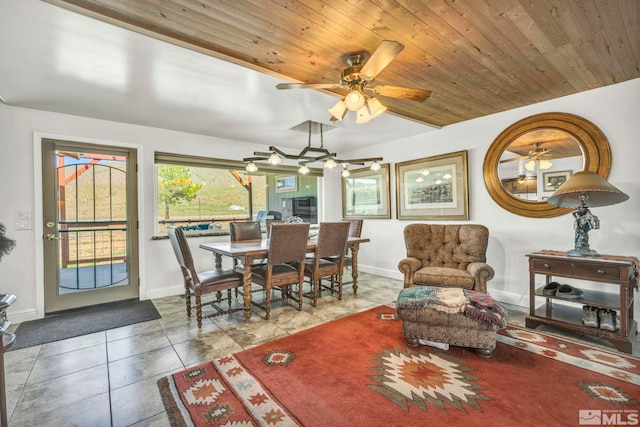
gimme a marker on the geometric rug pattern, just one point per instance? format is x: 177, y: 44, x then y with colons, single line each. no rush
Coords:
x: 358, y: 371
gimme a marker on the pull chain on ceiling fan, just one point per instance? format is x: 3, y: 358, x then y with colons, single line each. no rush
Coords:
x: 358, y: 78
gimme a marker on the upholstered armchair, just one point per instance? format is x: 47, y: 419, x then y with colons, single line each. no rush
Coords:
x: 446, y: 255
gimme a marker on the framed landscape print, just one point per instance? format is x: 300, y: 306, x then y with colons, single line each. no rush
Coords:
x: 365, y: 194
x: 433, y: 188
x: 286, y: 183
x: 553, y: 180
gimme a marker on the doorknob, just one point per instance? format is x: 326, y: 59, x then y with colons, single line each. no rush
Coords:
x: 52, y: 237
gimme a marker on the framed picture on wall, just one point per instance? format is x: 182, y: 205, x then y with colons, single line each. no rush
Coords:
x: 553, y: 180
x: 286, y: 183
x: 433, y: 188
x: 365, y: 194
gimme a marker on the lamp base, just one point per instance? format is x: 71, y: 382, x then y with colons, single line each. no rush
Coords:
x: 583, y: 252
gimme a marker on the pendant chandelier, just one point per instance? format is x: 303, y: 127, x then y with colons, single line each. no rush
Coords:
x: 308, y: 155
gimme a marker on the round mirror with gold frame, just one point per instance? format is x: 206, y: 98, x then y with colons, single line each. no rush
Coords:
x: 532, y: 157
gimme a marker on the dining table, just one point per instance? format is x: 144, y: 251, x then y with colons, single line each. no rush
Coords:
x: 247, y: 252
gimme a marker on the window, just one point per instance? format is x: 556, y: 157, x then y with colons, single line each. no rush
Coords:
x: 206, y: 194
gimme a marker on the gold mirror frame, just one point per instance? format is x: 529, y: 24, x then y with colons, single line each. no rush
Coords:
x: 595, y: 150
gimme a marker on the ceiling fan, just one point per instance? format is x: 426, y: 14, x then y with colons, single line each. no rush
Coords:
x: 358, y: 78
x: 535, y: 155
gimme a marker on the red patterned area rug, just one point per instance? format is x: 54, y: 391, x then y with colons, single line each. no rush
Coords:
x: 357, y: 371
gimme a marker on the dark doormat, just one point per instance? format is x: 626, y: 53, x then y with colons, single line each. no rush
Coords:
x: 73, y: 323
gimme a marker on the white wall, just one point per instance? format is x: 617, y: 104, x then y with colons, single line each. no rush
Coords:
x: 614, y: 109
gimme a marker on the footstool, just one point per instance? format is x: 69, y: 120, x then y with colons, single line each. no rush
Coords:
x: 454, y: 316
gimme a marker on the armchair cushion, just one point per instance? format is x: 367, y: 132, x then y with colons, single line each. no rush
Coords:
x: 446, y: 255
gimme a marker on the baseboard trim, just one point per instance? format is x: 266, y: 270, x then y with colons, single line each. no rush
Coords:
x: 22, y: 315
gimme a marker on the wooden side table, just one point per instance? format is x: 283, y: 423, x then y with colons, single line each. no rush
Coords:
x: 7, y: 342
x: 620, y: 273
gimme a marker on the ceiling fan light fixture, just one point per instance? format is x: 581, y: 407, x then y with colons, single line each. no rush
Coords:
x: 251, y: 167
x: 330, y: 163
x: 375, y: 107
x: 354, y: 100
x: 530, y: 165
x: 274, y: 159
x: 363, y: 115
x: 375, y: 166
x: 339, y: 110
x: 545, y: 164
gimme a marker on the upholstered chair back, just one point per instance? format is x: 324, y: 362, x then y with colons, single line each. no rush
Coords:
x: 447, y: 245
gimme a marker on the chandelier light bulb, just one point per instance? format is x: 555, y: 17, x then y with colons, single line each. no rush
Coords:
x: 303, y: 169
x: 251, y: 167
x: 375, y: 166
x: 354, y: 100
x: 345, y: 173
x: 274, y: 159
x: 330, y: 163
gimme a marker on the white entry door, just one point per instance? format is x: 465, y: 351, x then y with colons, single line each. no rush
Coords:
x: 90, y: 224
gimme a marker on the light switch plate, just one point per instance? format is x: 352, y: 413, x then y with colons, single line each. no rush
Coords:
x: 24, y: 220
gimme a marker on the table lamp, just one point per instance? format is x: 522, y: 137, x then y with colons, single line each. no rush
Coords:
x: 582, y: 189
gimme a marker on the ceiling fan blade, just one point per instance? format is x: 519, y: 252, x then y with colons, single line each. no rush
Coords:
x: 515, y: 159
x: 383, y: 55
x: 307, y: 86
x: 402, y: 92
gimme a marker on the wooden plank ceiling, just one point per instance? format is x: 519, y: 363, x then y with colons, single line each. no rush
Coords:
x: 478, y: 57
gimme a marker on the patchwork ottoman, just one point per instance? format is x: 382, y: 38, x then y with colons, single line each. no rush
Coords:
x: 452, y: 316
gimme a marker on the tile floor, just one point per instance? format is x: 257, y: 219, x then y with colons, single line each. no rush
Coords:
x: 109, y: 378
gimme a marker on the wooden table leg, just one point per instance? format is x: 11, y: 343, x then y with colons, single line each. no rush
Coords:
x: 354, y: 267
x: 246, y: 287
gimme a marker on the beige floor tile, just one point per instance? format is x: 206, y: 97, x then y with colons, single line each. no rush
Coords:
x: 71, y: 344
x: 138, y: 344
x: 93, y: 411
x: 142, y: 366
x: 137, y: 402
x: 47, y: 368
x: 46, y: 396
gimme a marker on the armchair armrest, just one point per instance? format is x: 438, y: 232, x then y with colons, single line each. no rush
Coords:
x: 482, y: 273
x: 408, y: 266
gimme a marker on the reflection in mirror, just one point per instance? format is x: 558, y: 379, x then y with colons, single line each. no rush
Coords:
x: 595, y: 156
x: 535, y: 164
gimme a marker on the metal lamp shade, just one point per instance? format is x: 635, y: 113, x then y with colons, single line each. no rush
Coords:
x: 597, y: 190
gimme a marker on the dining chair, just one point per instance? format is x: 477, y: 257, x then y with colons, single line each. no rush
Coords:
x: 198, y: 283
x: 269, y: 222
x: 285, y: 264
x: 247, y: 231
x: 244, y: 232
x: 355, y: 230
x: 328, y: 259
